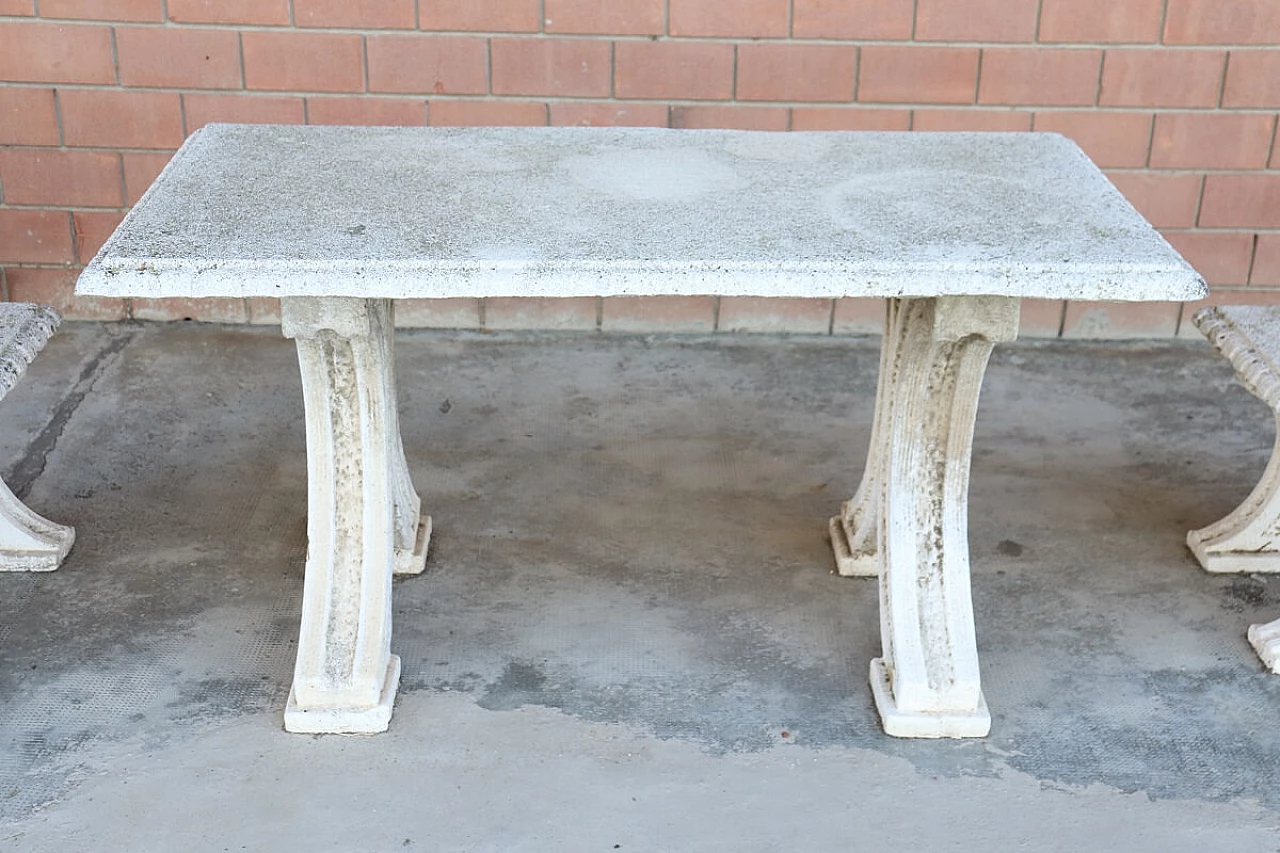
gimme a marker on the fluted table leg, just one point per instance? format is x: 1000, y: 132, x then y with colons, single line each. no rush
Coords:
x: 926, y: 684
x: 360, y: 507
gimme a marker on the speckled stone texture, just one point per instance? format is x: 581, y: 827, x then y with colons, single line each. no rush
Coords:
x: 250, y: 210
x: 28, y: 542
x: 24, y: 330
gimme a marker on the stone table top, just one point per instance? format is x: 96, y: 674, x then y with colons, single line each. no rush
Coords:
x: 258, y: 210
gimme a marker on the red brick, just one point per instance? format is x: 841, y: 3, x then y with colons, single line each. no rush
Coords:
x: 1048, y: 76
x: 222, y: 310
x: 731, y: 116
x: 1253, y: 79
x: 761, y: 314
x: 1212, y: 140
x: 264, y: 12
x: 403, y: 112
x: 1266, y: 262
x: 176, y: 57
x: 27, y: 117
x: 115, y: 119
x: 486, y: 113
x: 17, y: 7
x: 609, y: 114
x: 1167, y: 200
x: 1222, y: 258
x: 1275, y: 154
x: 948, y: 120
x: 35, y: 237
x: 1040, y: 318
x: 1100, y: 21
x: 1111, y: 139
x: 796, y: 72
x: 56, y: 287
x: 693, y: 71
x: 1120, y: 320
x: 976, y: 20
x: 497, y: 16
x: 61, y: 178
x: 853, y: 19
x: 140, y: 169
x: 93, y: 227
x: 55, y: 53
x: 1241, y: 201
x: 569, y: 313
x: 1134, y: 77
x: 436, y: 313
x: 265, y: 310
x: 427, y: 64
x: 733, y: 18
x: 632, y: 18
x: 1222, y: 22
x: 849, y: 118
x: 102, y: 10
x: 564, y: 67
x: 355, y: 14
x: 858, y: 315
x: 304, y: 62
x: 241, y: 109
x: 658, y: 314
x: 915, y: 74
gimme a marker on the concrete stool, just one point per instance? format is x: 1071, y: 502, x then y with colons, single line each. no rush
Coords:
x: 28, y: 542
x: 1248, y: 538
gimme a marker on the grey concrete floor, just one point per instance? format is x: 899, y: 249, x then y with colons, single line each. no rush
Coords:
x: 628, y: 636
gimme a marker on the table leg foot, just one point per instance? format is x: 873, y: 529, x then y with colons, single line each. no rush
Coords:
x: 30, y: 542
x: 850, y: 563
x: 413, y: 561
x: 344, y: 719
x: 924, y: 724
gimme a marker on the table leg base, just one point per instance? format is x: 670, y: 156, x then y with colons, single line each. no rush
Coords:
x: 1265, y: 640
x: 847, y: 564
x: 324, y: 720
x: 415, y: 561
x: 899, y: 723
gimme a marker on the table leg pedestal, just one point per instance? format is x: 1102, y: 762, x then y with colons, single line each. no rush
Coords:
x: 926, y: 684
x: 358, y: 511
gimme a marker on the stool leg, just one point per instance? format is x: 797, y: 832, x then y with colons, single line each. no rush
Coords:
x: 1248, y: 538
x: 29, y: 542
x: 927, y: 684
x: 345, y: 677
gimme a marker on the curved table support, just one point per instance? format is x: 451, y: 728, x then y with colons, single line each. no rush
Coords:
x: 915, y: 493
x: 361, y: 514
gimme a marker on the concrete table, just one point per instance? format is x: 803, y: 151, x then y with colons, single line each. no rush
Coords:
x: 953, y: 228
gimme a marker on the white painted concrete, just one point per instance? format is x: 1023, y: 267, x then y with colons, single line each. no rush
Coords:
x: 448, y: 212
x: 339, y: 221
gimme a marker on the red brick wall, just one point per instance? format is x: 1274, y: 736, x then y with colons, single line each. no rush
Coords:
x: 1176, y: 99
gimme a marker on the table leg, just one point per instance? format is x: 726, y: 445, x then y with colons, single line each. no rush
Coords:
x: 927, y: 684
x: 345, y: 677
x: 854, y: 531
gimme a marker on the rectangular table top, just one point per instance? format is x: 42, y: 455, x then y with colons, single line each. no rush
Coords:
x: 258, y: 210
